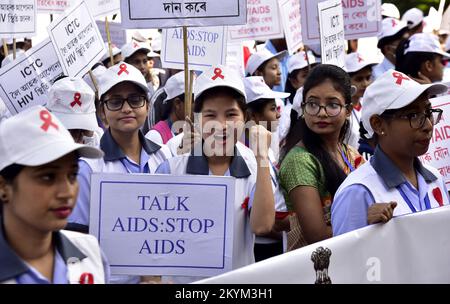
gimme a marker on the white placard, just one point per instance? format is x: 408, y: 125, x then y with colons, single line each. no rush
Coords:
x: 165, y: 14
x: 410, y: 249
x: 362, y: 18
x: 263, y: 22
x: 207, y: 47
x: 438, y: 155
x: 290, y: 14
x: 101, y: 8
x: 17, y: 18
x: 235, y: 57
x: 77, y: 40
x: 25, y: 81
x: 53, y: 6
x: 118, y: 34
x: 331, y: 24
x: 163, y: 225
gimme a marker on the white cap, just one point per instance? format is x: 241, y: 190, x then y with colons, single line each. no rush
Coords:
x: 156, y: 42
x: 115, y: 51
x: 73, y: 102
x: 174, y: 86
x: 393, y: 90
x: 11, y: 40
x: 153, y: 54
x: 118, y: 73
x: 219, y: 76
x: 258, y: 58
x: 390, y: 27
x: 299, y: 61
x: 10, y: 57
x: 447, y: 44
x: 425, y: 42
x: 355, y: 62
x: 297, y: 102
x: 390, y: 10
x: 413, y: 17
x: 130, y: 48
x: 97, y: 72
x: 256, y: 88
x: 36, y: 137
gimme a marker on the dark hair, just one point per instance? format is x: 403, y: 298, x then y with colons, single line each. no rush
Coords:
x: 258, y: 106
x: 411, y: 62
x: 388, y: 40
x: 167, y: 107
x: 289, y: 88
x: 334, y: 175
x: 9, y: 174
x: 220, y: 90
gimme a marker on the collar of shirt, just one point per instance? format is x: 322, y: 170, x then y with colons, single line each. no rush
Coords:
x: 198, y: 165
x: 113, y: 152
x: 32, y: 276
x: 387, y: 65
x: 391, y: 174
x: 11, y: 265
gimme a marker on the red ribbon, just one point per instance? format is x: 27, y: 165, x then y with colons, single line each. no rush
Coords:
x: 394, y: 23
x: 400, y: 77
x: 46, y: 118
x: 76, y: 100
x: 438, y: 196
x: 360, y: 59
x: 218, y: 74
x: 123, y: 69
x: 87, y: 278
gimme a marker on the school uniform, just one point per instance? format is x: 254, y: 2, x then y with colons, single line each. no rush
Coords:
x: 78, y: 260
x: 382, y: 67
x: 352, y: 137
x: 381, y: 181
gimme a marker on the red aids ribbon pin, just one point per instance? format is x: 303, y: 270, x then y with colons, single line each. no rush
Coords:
x: 400, y: 77
x: 123, y: 69
x: 394, y: 23
x: 46, y: 118
x: 87, y: 278
x: 360, y: 59
x: 438, y: 196
x: 76, y: 100
x: 218, y: 74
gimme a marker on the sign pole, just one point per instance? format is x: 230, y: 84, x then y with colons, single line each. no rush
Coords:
x: 14, y: 48
x: 187, y: 98
x: 5, y: 48
x: 108, y: 34
x: 94, y: 82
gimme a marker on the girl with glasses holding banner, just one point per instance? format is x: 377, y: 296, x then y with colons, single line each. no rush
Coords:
x: 398, y: 114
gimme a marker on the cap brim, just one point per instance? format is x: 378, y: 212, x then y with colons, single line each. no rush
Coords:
x: 371, y: 64
x: 53, y: 151
x: 83, y: 121
x: 221, y: 85
x: 275, y: 94
x: 445, y: 54
x: 412, y: 94
x: 108, y: 87
x: 153, y: 54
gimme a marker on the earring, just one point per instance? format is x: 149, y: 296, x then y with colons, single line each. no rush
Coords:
x: 382, y: 133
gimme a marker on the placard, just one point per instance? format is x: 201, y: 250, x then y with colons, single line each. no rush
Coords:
x: 53, y: 6
x: 290, y: 14
x: 17, y: 18
x: 101, y: 8
x: 331, y: 24
x: 118, y: 34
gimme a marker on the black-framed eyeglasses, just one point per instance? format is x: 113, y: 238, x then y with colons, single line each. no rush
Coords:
x: 331, y: 109
x: 417, y: 120
x: 116, y: 103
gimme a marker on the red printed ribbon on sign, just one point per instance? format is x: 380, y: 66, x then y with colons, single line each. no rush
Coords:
x: 438, y: 196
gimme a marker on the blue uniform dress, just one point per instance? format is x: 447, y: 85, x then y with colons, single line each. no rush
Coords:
x: 381, y: 68
x: 283, y: 67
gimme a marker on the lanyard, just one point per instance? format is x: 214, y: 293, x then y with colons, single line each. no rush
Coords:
x: 344, y: 157
x: 274, y: 180
x: 411, y: 206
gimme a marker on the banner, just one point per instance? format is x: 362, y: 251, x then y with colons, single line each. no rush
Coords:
x: 25, y: 81
x: 438, y: 155
x: 164, y: 14
x: 17, y: 19
x: 53, y: 6
x: 118, y: 34
x: 290, y: 14
x: 263, y: 22
x: 409, y: 249
x: 162, y: 224
x: 207, y: 47
x: 362, y: 18
x: 101, y: 8
x: 331, y: 24
x: 77, y: 40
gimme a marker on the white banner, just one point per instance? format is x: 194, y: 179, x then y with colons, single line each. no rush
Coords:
x: 17, y: 18
x: 25, y: 81
x: 164, y: 14
x: 263, y: 22
x: 362, y: 19
x: 77, y: 40
x: 101, y: 8
x: 118, y: 34
x: 207, y: 47
x: 438, y: 155
x: 408, y: 249
x: 164, y: 225
x: 331, y: 24
x: 53, y: 6
x: 290, y: 14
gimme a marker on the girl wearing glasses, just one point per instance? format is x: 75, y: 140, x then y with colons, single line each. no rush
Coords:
x: 399, y: 115
x: 124, y: 104
x: 316, y: 160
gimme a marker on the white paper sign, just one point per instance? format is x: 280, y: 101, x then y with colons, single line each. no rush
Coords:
x: 438, y: 155
x: 100, y: 8
x: 290, y: 14
x: 17, y: 18
x: 263, y: 22
x: 164, y: 13
x: 207, y: 47
x: 235, y: 57
x: 362, y: 19
x: 25, y: 82
x: 118, y: 34
x: 53, y: 6
x: 331, y: 24
x: 163, y: 225
x: 77, y: 40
